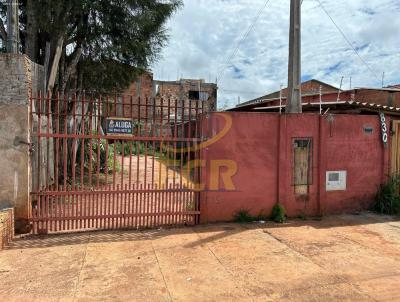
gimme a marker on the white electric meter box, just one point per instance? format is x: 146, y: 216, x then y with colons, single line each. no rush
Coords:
x: 336, y: 180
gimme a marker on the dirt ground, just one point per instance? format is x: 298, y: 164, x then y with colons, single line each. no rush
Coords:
x: 341, y: 258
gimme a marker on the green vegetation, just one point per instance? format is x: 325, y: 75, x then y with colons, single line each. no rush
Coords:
x: 244, y: 215
x: 102, y: 45
x: 302, y: 216
x: 387, y: 199
x: 278, y: 213
x: 106, y: 160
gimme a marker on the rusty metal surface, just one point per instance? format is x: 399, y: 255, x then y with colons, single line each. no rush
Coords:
x: 88, y: 179
x: 6, y: 226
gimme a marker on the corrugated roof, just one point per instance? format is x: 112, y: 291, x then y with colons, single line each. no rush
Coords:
x: 274, y: 95
x: 394, y: 89
x: 365, y: 105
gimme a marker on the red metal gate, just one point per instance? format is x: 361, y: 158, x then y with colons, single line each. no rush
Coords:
x: 87, y: 174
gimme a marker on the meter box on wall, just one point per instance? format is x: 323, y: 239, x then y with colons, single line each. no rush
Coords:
x: 336, y: 180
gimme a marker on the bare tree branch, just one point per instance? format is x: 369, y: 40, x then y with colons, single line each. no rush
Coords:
x: 55, y: 64
x: 71, y: 67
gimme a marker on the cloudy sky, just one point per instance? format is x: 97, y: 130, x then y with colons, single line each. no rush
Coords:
x: 205, y: 33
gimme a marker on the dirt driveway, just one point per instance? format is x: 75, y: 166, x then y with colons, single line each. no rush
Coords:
x: 341, y: 258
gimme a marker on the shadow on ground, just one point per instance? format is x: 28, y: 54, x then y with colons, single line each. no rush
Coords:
x: 221, y: 230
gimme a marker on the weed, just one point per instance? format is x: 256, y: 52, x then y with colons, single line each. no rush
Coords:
x: 243, y: 216
x: 387, y: 199
x: 278, y: 213
x: 302, y: 216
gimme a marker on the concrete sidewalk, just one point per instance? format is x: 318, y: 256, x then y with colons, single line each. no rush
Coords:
x: 341, y: 258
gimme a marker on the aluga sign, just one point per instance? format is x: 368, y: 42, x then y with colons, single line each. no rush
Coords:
x: 383, y: 129
x: 119, y: 126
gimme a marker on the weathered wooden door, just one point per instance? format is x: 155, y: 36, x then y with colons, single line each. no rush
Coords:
x: 395, y: 157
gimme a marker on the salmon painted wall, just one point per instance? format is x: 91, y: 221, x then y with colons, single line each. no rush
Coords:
x: 259, y: 146
x: 252, y: 144
x: 349, y: 147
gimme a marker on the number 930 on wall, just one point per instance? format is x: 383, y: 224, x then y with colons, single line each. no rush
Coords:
x: 383, y: 129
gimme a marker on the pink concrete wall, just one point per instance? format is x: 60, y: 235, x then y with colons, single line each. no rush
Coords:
x: 251, y: 143
x: 261, y: 146
x: 362, y: 154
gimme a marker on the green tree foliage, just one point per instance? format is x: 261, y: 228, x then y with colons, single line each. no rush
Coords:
x: 104, y: 43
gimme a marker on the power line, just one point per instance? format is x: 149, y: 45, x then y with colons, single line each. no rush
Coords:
x: 244, y: 37
x: 347, y: 40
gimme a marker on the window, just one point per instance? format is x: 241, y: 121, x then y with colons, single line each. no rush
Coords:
x: 194, y: 95
x: 198, y: 95
x: 302, y: 164
x: 204, y: 96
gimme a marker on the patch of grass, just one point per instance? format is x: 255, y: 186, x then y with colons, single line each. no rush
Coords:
x: 278, y: 213
x: 302, y: 216
x: 387, y: 199
x: 243, y: 216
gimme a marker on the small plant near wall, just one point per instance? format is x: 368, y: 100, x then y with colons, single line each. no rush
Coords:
x: 302, y: 216
x: 244, y: 216
x: 387, y: 199
x: 278, y: 213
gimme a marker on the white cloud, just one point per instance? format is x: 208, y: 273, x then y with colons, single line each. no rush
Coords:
x: 204, y: 33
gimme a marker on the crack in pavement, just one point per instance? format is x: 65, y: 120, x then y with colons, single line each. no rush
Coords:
x: 81, y: 269
x: 159, y: 267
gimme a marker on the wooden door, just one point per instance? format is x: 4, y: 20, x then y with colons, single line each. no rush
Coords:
x: 395, y: 152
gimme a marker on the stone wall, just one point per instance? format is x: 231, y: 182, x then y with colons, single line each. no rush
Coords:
x: 19, y: 76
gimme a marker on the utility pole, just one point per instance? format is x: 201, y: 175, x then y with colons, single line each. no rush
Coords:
x: 12, y: 26
x: 294, y: 71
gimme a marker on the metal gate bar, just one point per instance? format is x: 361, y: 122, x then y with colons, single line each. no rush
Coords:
x: 85, y: 178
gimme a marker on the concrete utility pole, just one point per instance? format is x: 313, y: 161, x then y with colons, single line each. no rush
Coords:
x: 294, y: 73
x: 12, y: 26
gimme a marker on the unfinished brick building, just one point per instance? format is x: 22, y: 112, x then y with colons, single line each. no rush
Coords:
x: 172, y: 101
x: 175, y: 94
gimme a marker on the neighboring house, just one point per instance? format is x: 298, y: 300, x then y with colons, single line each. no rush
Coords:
x: 169, y: 94
x: 319, y: 97
x: 339, y: 101
x: 189, y: 89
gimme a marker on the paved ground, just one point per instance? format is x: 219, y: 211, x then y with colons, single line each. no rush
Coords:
x: 342, y: 258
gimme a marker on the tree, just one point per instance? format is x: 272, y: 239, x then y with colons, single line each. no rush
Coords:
x: 96, y: 45
x: 92, y: 45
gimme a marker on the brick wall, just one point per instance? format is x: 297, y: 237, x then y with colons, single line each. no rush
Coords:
x: 382, y: 97
x: 156, y: 98
x: 136, y: 95
x: 183, y: 89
